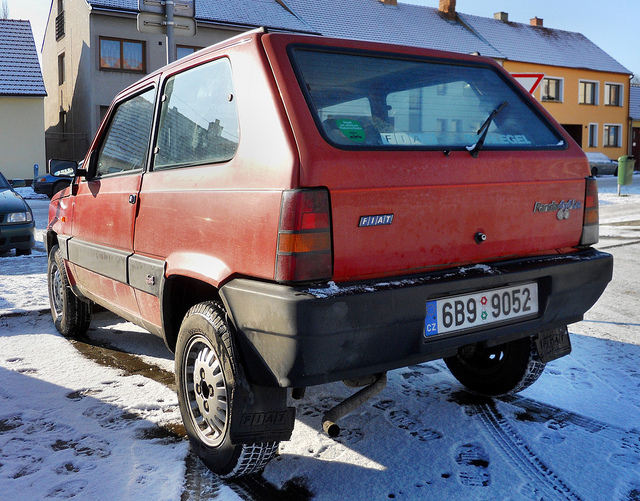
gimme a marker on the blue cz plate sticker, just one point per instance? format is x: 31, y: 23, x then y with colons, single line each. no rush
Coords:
x: 431, y: 322
x: 479, y: 309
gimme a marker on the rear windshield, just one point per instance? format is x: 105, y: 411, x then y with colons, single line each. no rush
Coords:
x: 363, y: 100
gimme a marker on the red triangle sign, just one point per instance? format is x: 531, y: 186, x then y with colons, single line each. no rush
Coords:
x: 529, y: 81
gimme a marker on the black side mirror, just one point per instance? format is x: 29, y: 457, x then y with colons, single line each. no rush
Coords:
x: 62, y: 168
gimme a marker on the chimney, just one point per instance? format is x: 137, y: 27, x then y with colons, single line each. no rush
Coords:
x: 536, y: 21
x: 390, y: 2
x: 502, y: 16
x: 448, y: 9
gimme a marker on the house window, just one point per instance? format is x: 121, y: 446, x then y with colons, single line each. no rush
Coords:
x: 588, y: 93
x: 61, y: 69
x: 593, y: 135
x: 124, y: 55
x: 103, y: 112
x: 552, y: 90
x: 612, y: 94
x: 63, y: 121
x: 612, y: 135
x: 60, y: 21
x: 184, y: 50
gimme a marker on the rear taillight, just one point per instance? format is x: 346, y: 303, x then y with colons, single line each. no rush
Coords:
x: 590, y: 225
x: 304, y: 236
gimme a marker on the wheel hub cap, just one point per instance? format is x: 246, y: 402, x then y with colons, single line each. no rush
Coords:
x: 57, y: 290
x: 208, y: 394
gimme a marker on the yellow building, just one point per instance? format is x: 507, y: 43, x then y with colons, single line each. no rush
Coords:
x: 584, y: 88
x: 22, y: 94
x: 634, y: 114
x: 592, y: 106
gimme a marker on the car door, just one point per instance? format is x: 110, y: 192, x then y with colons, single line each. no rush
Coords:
x: 105, y: 205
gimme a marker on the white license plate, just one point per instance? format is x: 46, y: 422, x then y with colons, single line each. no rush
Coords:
x: 479, y: 309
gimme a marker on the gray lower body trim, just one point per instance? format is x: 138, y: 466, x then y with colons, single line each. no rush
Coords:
x: 289, y: 336
x: 140, y: 272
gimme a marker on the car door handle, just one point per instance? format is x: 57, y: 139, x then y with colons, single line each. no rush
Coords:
x: 132, y: 199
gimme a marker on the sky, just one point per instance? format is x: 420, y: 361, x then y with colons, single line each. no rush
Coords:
x: 601, y: 22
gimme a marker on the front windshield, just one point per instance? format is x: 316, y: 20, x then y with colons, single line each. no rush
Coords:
x: 372, y: 101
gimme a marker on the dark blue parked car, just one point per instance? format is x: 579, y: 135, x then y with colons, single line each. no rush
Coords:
x: 17, y: 227
x: 60, y: 175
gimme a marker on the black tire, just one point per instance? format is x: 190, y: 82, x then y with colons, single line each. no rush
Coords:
x: 71, y: 315
x: 594, y: 171
x: 23, y: 252
x: 499, y: 370
x: 205, y: 353
x: 59, y: 186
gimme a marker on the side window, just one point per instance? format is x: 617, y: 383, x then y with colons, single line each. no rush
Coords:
x: 126, y: 142
x: 199, y: 120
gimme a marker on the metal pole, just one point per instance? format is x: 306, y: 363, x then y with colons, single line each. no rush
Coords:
x: 171, y: 44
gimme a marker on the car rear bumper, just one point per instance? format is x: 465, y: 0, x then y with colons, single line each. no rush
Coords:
x: 302, y: 336
x: 18, y: 236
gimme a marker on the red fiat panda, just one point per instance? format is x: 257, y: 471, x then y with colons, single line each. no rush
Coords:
x: 287, y: 211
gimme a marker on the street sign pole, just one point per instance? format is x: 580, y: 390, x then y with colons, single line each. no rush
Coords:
x: 170, y: 18
x: 171, y: 44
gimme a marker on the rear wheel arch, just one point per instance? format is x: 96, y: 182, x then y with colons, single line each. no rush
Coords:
x: 178, y: 295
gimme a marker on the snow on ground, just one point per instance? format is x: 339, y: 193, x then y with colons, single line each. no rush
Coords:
x: 608, y: 191
x: 71, y: 428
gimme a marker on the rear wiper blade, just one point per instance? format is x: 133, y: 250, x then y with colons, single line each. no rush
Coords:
x: 484, y: 128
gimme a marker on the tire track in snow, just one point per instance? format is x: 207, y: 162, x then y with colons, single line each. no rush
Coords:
x: 520, y: 454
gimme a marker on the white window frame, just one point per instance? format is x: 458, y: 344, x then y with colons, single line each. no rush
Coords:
x: 593, y: 137
x: 597, y: 83
x: 604, y: 136
x: 606, y: 94
x: 561, y: 80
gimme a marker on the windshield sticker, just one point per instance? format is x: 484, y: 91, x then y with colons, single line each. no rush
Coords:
x: 352, y: 130
x: 408, y: 138
x: 431, y: 139
x: 507, y: 139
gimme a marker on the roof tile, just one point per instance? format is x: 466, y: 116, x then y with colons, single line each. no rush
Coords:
x: 237, y: 12
x: 20, y: 73
x: 407, y: 24
x: 539, y: 45
x: 404, y: 24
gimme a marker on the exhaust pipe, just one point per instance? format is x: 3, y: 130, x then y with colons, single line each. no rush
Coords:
x: 350, y: 404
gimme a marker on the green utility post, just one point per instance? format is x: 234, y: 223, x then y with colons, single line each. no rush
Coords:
x: 626, y: 164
